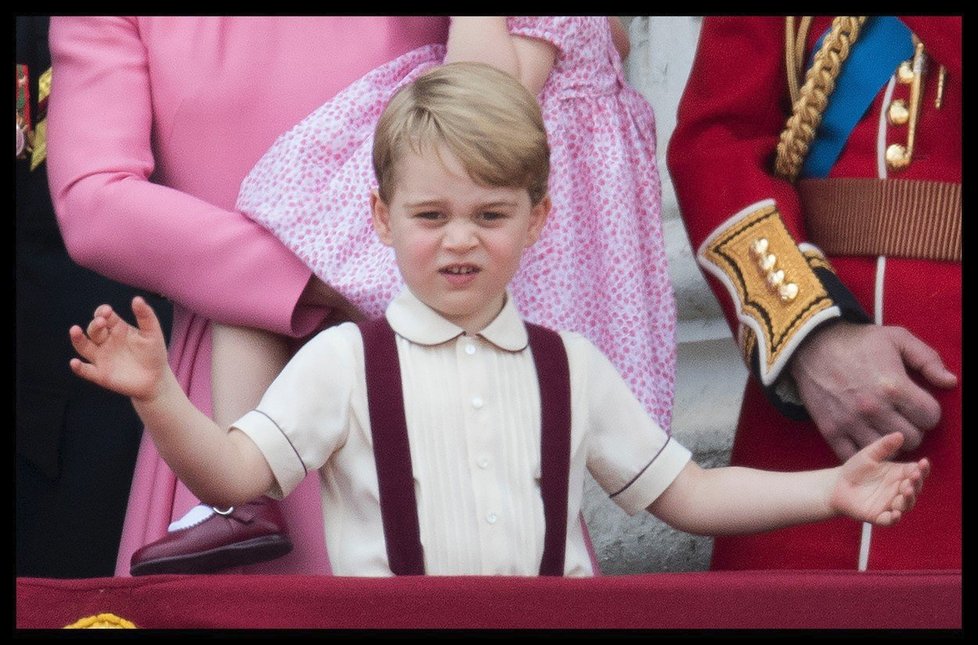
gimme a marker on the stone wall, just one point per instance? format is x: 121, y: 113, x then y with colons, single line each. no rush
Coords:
x: 710, y: 375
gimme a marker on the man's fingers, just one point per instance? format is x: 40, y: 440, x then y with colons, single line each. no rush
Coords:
x: 917, y: 406
x: 896, y: 422
x: 888, y: 518
x: 901, y: 503
x: 925, y: 359
x: 863, y: 434
x: 843, y: 447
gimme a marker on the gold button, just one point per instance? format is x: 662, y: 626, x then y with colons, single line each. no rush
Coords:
x: 896, y: 157
x: 775, y: 278
x: 758, y: 247
x: 898, y: 114
x: 788, y: 291
x: 905, y: 72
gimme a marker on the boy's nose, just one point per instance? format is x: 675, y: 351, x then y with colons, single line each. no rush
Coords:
x: 460, y: 236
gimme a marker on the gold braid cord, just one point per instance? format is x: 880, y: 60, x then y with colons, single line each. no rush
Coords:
x: 813, y: 97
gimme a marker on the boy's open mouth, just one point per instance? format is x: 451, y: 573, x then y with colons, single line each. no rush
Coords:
x: 459, y: 269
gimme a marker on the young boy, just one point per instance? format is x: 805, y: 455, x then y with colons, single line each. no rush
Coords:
x: 469, y: 484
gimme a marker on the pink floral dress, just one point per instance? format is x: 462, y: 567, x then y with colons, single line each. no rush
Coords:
x: 599, y: 267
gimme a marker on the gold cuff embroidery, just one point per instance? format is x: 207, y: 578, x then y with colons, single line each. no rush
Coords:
x: 777, y: 294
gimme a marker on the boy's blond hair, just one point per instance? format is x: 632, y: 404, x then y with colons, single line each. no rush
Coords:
x: 484, y: 116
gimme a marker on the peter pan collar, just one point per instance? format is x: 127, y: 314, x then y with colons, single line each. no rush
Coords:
x: 419, y: 323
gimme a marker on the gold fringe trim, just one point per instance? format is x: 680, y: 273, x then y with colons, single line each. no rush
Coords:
x: 101, y: 621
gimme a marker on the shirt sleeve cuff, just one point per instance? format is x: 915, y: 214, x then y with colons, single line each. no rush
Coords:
x: 279, y: 452
x: 656, y: 477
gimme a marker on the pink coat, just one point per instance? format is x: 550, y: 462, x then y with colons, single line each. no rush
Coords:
x: 153, y: 124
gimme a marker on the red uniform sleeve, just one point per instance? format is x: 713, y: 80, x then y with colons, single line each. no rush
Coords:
x: 730, y: 117
x: 736, y: 211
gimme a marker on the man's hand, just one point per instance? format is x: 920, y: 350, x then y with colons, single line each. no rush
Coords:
x: 122, y: 358
x: 855, y: 383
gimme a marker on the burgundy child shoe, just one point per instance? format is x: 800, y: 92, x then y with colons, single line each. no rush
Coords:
x: 246, y: 534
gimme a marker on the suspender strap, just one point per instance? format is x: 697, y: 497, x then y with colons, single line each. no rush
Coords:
x: 392, y: 452
x: 553, y: 374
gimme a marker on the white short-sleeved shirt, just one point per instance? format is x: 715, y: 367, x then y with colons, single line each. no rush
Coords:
x: 472, y: 407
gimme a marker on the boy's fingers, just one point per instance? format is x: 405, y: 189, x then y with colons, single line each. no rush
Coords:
x: 93, y: 326
x: 909, y: 497
x: 110, y: 316
x: 145, y: 316
x: 924, y: 468
x: 80, y: 341
x: 104, y: 316
x: 85, y: 370
x: 917, y: 481
x: 102, y: 310
x: 884, y: 448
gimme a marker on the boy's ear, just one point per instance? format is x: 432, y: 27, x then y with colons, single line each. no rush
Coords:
x: 381, y: 217
x: 538, y: 217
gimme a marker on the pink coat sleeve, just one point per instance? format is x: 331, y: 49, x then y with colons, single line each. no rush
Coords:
x: 213, y: 261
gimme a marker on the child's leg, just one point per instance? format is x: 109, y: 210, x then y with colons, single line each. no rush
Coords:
x: 244, y: 362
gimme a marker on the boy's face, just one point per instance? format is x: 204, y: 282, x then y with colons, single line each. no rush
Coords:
x: 457, y: 243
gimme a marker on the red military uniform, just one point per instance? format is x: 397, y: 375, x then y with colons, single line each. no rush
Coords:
x: 721, y: 158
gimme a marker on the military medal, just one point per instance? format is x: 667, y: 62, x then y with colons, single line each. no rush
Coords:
x: 31, y: 138
x: 39, y: 136
x: 23, y: 120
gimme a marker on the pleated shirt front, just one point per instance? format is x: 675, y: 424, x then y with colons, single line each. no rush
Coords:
x: 472, y: 407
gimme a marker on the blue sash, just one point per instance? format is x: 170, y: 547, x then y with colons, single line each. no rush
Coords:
x: 884, y: 42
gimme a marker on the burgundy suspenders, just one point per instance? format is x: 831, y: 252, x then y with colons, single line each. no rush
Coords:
x: 392, y: 453
x: 553, y: 375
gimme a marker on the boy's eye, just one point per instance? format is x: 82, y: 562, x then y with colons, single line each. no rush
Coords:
x: 429, y: 215
x: 492, y: 216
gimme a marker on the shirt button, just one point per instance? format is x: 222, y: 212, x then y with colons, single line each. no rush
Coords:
x: 483, y: 462
x: 470, y: 349
x: 491, y: 518
x: 477, y: 402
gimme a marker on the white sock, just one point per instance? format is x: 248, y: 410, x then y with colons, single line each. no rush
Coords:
x: 194, y: 516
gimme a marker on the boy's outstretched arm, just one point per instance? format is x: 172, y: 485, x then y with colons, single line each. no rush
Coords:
x: 868, y: 487
x: 221, y: 468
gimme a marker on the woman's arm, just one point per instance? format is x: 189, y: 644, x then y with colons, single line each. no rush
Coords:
x: 117, y: 222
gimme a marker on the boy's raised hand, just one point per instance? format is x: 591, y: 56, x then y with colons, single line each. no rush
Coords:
x: 122, y: 358
x: 873, y: 489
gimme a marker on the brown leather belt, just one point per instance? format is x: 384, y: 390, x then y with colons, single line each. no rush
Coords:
x: 894, y: 217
